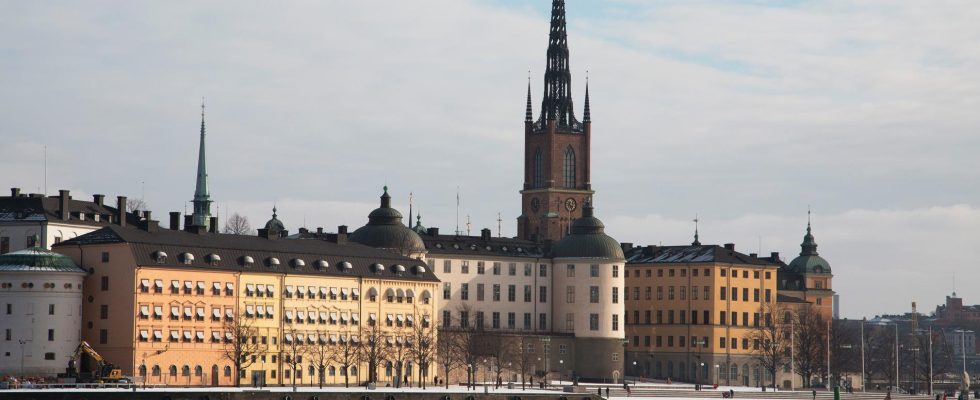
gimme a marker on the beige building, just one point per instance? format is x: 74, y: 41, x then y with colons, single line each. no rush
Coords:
x: 159, y: 303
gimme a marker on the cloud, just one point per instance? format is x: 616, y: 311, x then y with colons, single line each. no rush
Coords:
x: 727, y: 109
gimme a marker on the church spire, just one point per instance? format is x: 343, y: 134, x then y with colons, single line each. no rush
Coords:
x: 528, y: 114
x: 557, y: 102
x: 809, y: 245
x: 587, y: 114
x: 696, y: 242
x: 202, y: 197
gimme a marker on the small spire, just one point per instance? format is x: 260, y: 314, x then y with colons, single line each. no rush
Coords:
x: 274, y: 212
x: 528, y: 114
x: 809, y: 245
x: 386, y: 198
x: 587, y: 114
x: 696, y: 242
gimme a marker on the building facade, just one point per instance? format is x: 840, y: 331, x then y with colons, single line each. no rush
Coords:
x: 41, y: 296
x: 162, y: 304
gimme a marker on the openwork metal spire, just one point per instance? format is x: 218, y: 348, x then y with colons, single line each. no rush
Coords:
x: 202, y: 197
x: 587, y: 114
x: 528, y: 114
x: 557, y: 102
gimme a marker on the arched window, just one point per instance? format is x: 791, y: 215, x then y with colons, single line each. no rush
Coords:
x: 569, y: 167
x: 185, y: 371
x: 227, y: 370
x: 173, y: 370
x: 198, y: 371
x: 143, y: 371
x: 537, y: 173
x: 331, y: 370
x: 388, y: 369
x: 734, y: 369
x: 156, y: 370
x: 353, y: 371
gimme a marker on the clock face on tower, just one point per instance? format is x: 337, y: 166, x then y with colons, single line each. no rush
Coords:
x: 535, y: 204
x: 570, y: 204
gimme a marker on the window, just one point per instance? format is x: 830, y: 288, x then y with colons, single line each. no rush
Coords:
x: 496, y: 268
x: 7, y: 334
x: 615, y: 322
x: 594, y: 271
x: 527, y: 321
x: 707, y: 293
x: 512, y: 269
x: 745, y: 294
x: 105, y: 281
x: 511, y: 320
x: 721, y: 318
x: 615, y: 295
x: 570, y: 294
x: 447, y: 266
x: 569, y: 167
x: 538, y: 173
x: 50, y: 356
x: 4, y: 245
x: 447, y: 290
x: 543, y: 321
x: 543, y: 294
x: 593, y: 322
x: 480, y: 269
x: 495, y: 320
x: 464, y: 268
x: 105, y: 256
x: 528, y: 269
x: 10, y: 308
x: 479, y: 319
x: 694, y: 292
x: 768, y: 295
x: 104, y: 311
x: 615, y: 271
x: 479, y: 291
x: 670, y: 292
x: 512, y: 293
x: 755, y: 295
x: 660, y: 293
x: 593, y: 294
x: 50, y: 309
x: 646, y: 317
x: 50, y: 335
x: 464, y: 291
x: 527, y: 293
x: 570, y: 270
x: 683, y: 290
x: 543, y: 270
x: 464, y: 319
x: 103, y: 336
x: 496, y: 292
x: 446, y: 319
x: 722, y: 293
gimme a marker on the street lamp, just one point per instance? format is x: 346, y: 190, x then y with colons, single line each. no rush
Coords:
x: 635, y: 375
x: 717, y: 371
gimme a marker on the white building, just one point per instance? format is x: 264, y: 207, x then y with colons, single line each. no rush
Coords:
x: 961, y: 340
x: 41, y: 300
x: 52, y: 219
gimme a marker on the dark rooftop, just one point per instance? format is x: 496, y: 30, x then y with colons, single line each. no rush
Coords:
x: 690, y: 254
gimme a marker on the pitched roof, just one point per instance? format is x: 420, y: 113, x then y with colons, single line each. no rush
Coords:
x: 37, y: 259
x: 48, y: 208
x: 233, y: 249
x: 690, y: 254
x: 481, y: 246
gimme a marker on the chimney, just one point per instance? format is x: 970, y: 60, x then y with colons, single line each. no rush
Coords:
x: 149, y: 224
x: 730, y: 246
x: 264, y: 233
x: 188, y: 222
x: 432, y: 231
x: 214, y: 225
x: 98, y: 199
x: 627, y: 246
x: 342, y: 229
x: 14, y: 192
x: 485, y: 233
x: 319, y: 230
x: 649, y: 250
x: 342, y: 235
x: 774, y: 255
x: 121, y: 210
x: 303, y: 230
x: 63, y: 204
x: 175, y: 220
x: 753, y: 255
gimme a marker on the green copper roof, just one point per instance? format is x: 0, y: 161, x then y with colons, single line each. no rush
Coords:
x: 809, y: 261
x: 202, y: 197
x: 385, y: 230
x: 37, y: 259
x: 588, y: 239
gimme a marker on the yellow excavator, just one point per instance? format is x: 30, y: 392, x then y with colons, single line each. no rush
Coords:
x: 103, y: 373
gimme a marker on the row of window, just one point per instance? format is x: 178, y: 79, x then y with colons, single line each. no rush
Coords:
x: 44, y: 285
x: 495, y: 323
x: 695, y: 272
x: 29, y: 309
x: 593, y: 271
x: 593, y: 294
x: 593, y: 322
x: 705, y: 318
x: 8, y: 335
x: 682, y: 293
x: 695, y: 342
x: 464, y: 292
x: 495, y: 269
x: 189, y: 313
x: 188, y: 287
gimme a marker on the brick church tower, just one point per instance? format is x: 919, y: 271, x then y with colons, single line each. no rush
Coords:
x: 556, y: 148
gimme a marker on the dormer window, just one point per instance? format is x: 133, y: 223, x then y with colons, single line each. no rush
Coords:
x: 247, y: 261
x: 273, y: 262
x: 345, y: 266
x: 377, y: 268
x: 213, y: 259
x: 187, y: 258
x: 321, y: 264
x: 160, y: 257
x: 297, y: 263
x: 398, y: 269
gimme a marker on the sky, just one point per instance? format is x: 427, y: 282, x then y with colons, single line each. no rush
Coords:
x: 742, y: 113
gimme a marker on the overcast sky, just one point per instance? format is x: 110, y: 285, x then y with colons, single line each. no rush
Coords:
x: 744, y: 113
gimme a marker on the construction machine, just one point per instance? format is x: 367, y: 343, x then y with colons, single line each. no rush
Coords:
x: 104, y: 372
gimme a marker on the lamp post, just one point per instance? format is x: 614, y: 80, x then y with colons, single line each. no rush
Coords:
x: 545, y: 345
x: 635, y: 375
x: 717, y: 372
x: 22, y: 343
x: 561, y: 369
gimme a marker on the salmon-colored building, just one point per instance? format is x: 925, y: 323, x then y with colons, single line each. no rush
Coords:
x: 158, y: 303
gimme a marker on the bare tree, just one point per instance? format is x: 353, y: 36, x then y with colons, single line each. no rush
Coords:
x: 423, y: 345
x: 524, y: 359
x: 845, y: 354
x: 809, y: 331
x: 495, y: 350
x: 398, y: 350
x: 241, y: 345
x: 347, y: 353
x: 133, y: 205
x: 448, y: 352
x: 373, y: 351
x: 770, y: 339
x: 294, y: 346
x: 238, y: 225
x: 320, y: 354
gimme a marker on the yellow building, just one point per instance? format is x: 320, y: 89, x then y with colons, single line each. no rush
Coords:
x: 162, y: 304
x: 691, y: 312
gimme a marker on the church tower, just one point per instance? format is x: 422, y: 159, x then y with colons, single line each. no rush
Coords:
x: 202, y: 197
x: 556, y: 147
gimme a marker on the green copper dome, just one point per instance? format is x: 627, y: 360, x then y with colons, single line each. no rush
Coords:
x: 809, y: 261
x: 274, y: 224
x: 37, y: 259
x: 385, y: 230
x: 588, y: 239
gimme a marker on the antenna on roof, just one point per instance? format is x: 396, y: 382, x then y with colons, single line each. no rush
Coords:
x: 457, y: 211
x: 468, y: 225
x: 696, y: 241
x: 498, y: 224
x: 410, y: 195
x: 45, y: 170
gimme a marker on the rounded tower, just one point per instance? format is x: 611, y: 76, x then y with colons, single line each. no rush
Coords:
x: 588, y: 290
x: 385, y: 230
